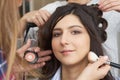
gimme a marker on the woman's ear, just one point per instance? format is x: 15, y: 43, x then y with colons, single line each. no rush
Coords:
x: 19, y: 3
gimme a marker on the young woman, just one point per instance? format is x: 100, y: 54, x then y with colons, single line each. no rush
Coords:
x: 71, y: 33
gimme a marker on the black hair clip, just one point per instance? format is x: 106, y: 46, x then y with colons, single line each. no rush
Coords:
x: 95, y: 5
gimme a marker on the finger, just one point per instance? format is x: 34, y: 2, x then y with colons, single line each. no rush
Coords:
x: 106, y: 66
x: 44, y: 15
x: 104, y: 69
x: 117, y: 8
x: 43, y: 59
x: 29, y: 20
x: 101, y: 61
x: 44, y: 53
x: 101, y: 2
x: 30, y: 16
x: 24, y: 48
x: 37, y: 49
x: 35, y: 20
x: 27, y: 45
x: 107, y: 2
x: 100, y: 56
x: 47, y: 13
x: 112, y: 6
x: 40, y: 19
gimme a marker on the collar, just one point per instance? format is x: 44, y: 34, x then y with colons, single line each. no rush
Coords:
x: 57, y: 75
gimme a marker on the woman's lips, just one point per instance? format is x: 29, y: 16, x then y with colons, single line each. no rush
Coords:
x: 67, y: 51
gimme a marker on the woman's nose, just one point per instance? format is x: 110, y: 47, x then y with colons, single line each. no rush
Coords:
x: 64, y: 40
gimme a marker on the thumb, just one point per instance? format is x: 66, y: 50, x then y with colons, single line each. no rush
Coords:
x: 21, y: 50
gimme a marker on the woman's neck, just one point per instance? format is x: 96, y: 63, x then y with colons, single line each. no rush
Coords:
x: 79, y: 1
x: 72, y: 72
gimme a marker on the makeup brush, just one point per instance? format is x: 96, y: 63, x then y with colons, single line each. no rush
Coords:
x: 92, y: 57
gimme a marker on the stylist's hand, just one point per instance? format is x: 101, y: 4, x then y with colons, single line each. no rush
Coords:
x: 39, y: 17
x: 108, y: 5
x: 95, y: 71
x: 44, y: 55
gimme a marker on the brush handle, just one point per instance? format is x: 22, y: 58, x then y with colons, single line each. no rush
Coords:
x: 115, y: 65
x: 31, y: 25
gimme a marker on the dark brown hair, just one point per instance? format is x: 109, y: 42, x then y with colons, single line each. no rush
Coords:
x: 91, y: 18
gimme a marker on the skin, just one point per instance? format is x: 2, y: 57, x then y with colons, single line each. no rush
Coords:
x: 71, y: 44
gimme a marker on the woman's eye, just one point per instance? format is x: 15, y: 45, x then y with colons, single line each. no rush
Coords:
x: 76, y: 32
x: 56, y: 34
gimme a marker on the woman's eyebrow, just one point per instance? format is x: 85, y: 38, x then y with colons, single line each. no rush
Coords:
x: 55, y: 29
x: 75, y: 26
x: 72, y: 26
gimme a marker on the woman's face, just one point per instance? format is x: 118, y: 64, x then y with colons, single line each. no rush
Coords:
x: 70, y: 41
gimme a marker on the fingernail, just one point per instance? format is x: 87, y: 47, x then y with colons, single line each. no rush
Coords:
x: 28, y: 41
x: 106, y: 57
x: 43, y: 63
